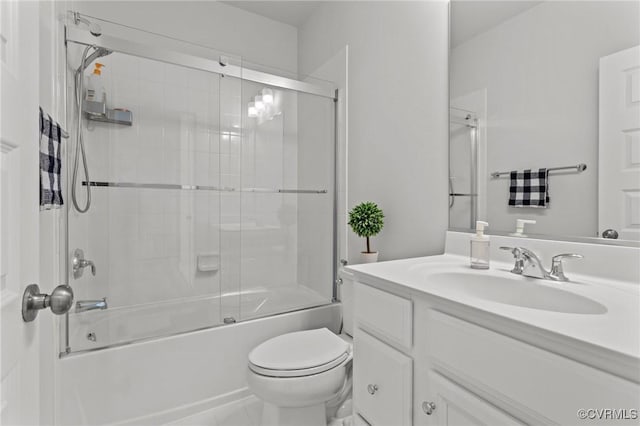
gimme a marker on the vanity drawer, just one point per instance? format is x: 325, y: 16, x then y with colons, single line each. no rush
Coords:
x: 382, y: 382
x: 550, y: 387
x: 384, y: 314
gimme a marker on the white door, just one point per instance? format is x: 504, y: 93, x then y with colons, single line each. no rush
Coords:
x: 19, y: 199
x: 619, y: 144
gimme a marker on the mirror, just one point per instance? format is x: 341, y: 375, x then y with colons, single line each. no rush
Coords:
x: 551, y: 85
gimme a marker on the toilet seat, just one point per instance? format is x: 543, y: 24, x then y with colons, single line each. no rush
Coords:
x: 299, y: 354
x: 299, y: 373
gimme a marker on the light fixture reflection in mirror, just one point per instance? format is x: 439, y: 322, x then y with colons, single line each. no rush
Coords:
x: 267, y: 96
x: 265, y: 105
x: 252, y: 112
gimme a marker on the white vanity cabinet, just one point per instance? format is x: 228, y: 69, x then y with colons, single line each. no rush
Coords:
x: 420, y: 361
x: 383, y: 373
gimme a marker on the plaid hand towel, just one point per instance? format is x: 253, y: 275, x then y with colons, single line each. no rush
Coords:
x: 50, y: 164
x: 529, y: 189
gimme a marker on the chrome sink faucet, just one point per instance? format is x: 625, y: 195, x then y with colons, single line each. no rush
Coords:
x: 528, y: 264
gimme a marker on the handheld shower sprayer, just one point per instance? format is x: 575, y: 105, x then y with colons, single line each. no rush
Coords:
x: 79, y: 83
x: 86, y: 60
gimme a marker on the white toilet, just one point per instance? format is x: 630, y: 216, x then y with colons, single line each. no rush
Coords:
x: 297, y: 374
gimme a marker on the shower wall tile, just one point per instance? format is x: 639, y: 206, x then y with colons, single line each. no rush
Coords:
x: 214, y: 141
x: 201, y: 140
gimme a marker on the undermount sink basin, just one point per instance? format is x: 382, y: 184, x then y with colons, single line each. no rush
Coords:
x: 517, y: 291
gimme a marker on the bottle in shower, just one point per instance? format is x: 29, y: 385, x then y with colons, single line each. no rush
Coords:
x: 95, y: 88
x: 480, y: 247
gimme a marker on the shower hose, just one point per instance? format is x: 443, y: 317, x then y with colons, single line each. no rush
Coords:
x: 80, y: 141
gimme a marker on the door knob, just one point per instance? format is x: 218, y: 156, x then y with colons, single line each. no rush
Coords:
x: 60, y: 301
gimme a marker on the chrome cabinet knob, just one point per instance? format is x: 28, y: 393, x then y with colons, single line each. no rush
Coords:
x: 428, y: 407
x: 60, y: 301
x: 372, y: 389
x: 610, y: 233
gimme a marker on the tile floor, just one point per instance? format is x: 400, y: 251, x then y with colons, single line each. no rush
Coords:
x: 244, y: 412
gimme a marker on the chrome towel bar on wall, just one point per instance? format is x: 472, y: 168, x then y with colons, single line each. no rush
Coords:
x: 578, y: 168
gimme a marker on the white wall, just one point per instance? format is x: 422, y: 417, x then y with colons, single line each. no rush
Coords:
x: 397, y: 109
x: 229, y: 29
x: 540, y: 70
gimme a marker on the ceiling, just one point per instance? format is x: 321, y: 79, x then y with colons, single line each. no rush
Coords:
x: 293, y: 13
x: 470, y: 18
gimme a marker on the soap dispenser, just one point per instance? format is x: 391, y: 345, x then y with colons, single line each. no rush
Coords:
x: 520, y: 227
x: 95, y: 88
x: 480, y: 247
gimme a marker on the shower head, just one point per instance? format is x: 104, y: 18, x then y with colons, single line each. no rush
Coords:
x: 98, y: 52
x: 94, y: 28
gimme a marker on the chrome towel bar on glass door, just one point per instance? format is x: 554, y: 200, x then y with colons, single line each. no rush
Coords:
x: 578, y: 168
x: 63, y: 132
x: 202, y: 187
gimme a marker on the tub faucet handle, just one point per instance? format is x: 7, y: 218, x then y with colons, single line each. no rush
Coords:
x: 79, y: 263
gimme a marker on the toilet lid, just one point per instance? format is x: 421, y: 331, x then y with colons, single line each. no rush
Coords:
x: 301, y: 350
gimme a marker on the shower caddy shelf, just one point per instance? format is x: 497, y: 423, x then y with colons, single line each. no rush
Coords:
x: 99, y: 184
x: 98, y: 111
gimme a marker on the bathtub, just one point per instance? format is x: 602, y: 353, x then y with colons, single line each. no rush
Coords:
x: 122, y: 325
x: 162, y: 379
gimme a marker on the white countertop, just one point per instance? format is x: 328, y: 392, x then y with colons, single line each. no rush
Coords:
x: 615, y: 330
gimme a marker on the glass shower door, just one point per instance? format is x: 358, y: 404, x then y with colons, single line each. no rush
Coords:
x: 463, y: 169
x: 215, y: 205
x: 287, y: 199
x: 158, y: 204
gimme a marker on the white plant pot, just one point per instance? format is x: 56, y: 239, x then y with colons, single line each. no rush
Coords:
x: 368, y: 257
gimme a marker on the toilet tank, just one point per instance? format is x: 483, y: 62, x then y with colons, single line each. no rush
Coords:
x: 346, y: 297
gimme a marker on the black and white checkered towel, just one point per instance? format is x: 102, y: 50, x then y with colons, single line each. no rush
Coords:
x: 50, y: 164
x: 529, y: 189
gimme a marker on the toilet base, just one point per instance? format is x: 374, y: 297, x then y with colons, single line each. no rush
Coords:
x: 273, y: 415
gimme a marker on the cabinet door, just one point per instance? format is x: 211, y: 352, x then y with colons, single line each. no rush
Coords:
x: 452, y: 405
x: 382, y: 382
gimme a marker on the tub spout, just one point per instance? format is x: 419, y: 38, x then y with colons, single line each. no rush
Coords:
x: 90, y: 305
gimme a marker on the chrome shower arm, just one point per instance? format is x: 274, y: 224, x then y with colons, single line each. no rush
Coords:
x: 94, y: 28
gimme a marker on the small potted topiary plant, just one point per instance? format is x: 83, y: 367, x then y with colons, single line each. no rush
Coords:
x: 366, y: 219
